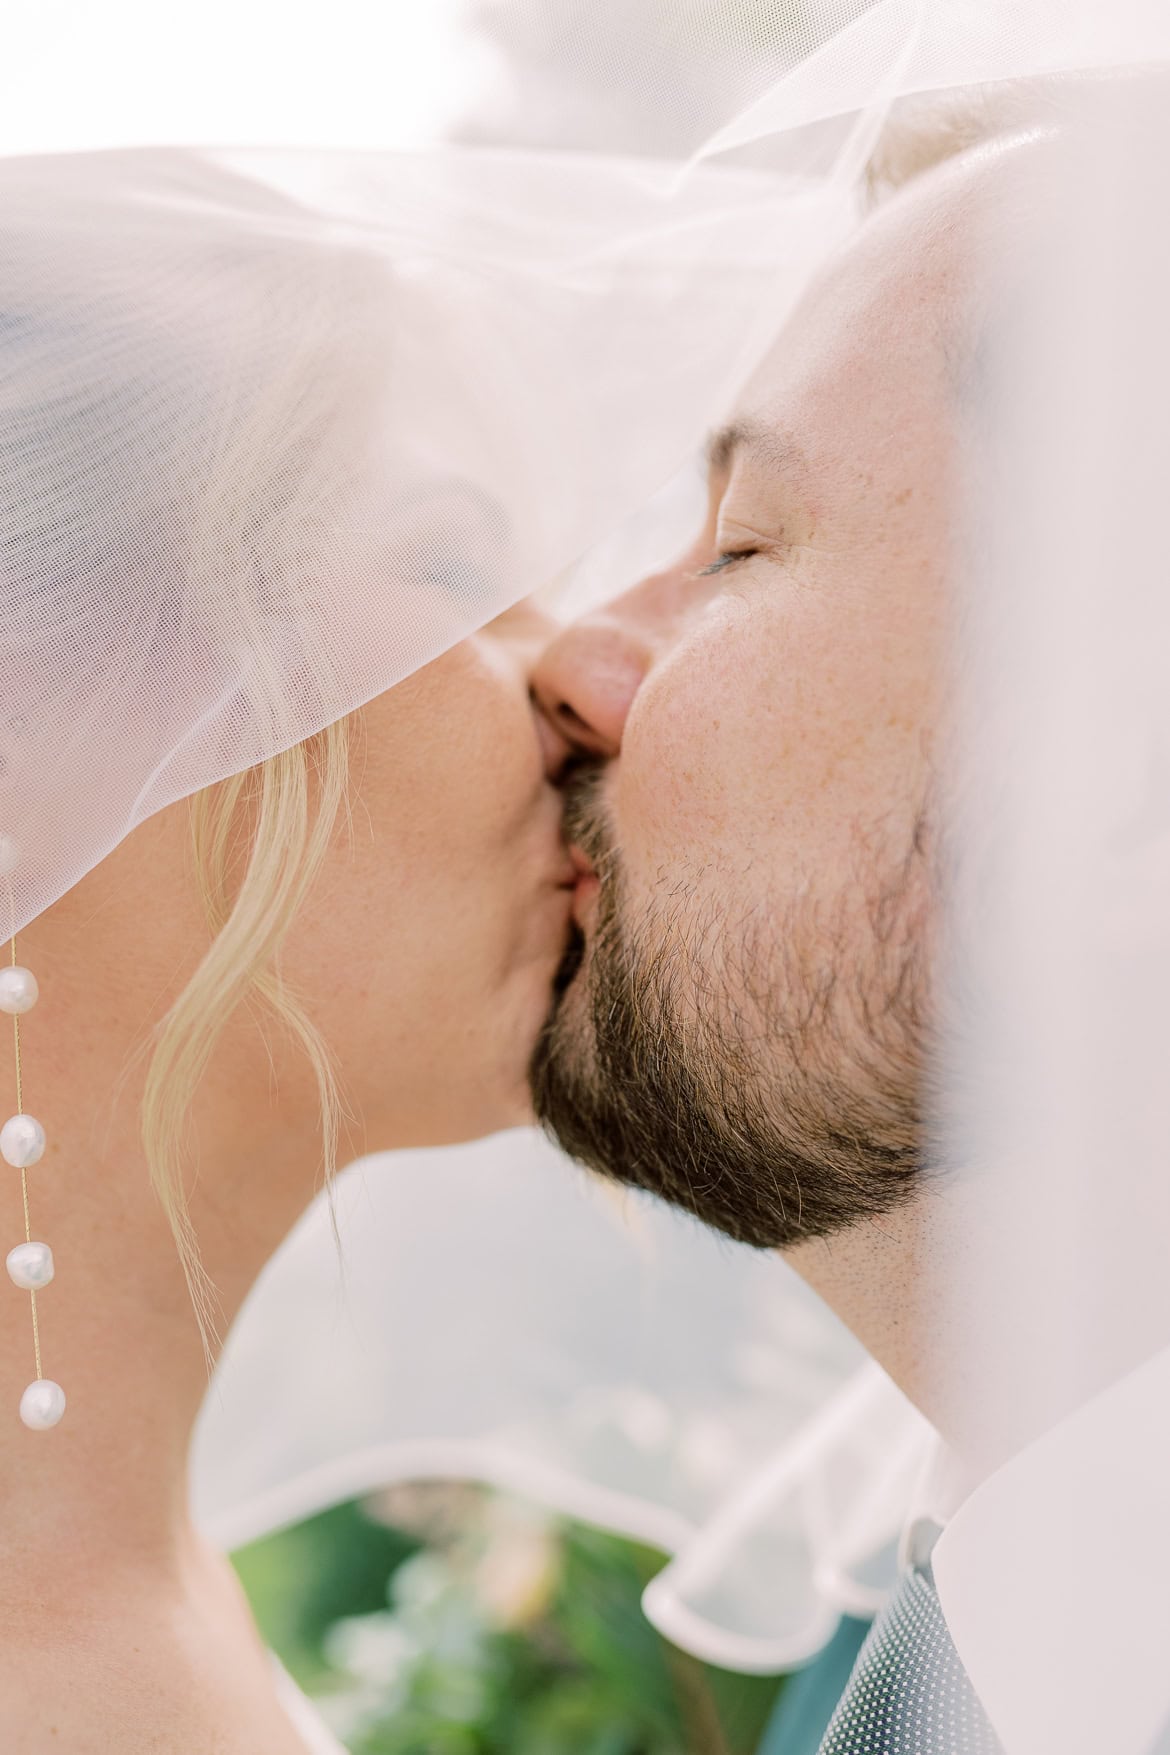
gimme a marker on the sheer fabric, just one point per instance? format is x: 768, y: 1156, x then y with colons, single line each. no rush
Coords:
x: 494, y: 1314
x: 1059, y: 1238
x: 481, y: 360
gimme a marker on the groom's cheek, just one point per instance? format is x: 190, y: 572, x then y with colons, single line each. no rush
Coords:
x: 655, y: 783
x: 702, y: 761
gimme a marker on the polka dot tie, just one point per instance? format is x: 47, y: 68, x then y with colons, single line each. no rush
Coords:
x: 909, y: 1694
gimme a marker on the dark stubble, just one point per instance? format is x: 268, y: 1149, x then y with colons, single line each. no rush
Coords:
x: 766, y: 1077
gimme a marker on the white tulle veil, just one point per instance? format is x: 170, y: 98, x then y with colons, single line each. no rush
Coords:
x: 551, y: 313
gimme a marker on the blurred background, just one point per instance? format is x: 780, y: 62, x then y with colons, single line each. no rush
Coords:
x: 446, y: 1619
x: 622, y: 76
x: 450, y: 1457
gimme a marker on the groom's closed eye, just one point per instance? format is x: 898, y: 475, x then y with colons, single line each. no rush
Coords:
x: 728, y: 559
x: 758, y: 478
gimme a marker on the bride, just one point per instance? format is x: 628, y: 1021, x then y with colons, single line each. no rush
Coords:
x: 346, y: 947
x: 420, y: 909
x: 284, y: 443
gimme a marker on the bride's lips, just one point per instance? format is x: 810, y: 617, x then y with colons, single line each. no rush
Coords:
x: 586, y: 884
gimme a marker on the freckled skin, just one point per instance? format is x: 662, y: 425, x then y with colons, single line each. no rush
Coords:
x: 793, y: 699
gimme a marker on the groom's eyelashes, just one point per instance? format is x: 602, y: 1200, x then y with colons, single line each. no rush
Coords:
x: 727, y: 559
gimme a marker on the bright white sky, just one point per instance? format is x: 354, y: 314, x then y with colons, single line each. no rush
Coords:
x: 93, y: 73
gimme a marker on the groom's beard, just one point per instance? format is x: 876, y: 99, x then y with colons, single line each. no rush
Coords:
x: 771, y: 1086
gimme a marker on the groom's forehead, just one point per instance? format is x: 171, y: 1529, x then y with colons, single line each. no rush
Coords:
x: 918, y: 261
x: 894, y: 320
x: 871, y: 307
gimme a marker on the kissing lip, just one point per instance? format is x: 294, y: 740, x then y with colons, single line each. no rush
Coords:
x: 583, y: 866
x: 575, y: 869
x: 586, y: 885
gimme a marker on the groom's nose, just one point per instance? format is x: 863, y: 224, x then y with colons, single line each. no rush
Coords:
x: 586, y: 681
x: 587, y: 678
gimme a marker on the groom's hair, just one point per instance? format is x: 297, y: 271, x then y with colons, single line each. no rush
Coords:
x: 928, y: 128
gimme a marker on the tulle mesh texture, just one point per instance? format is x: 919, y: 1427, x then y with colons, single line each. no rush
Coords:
x: 264, y: 455
x: 1051, y: 1261
x: 649, y: 1376
x: 277, y: 427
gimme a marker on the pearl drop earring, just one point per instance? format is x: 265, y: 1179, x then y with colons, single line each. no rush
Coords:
x: 22, y: 1143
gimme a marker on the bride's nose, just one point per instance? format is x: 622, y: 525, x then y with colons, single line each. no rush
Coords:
x: 586, y: 680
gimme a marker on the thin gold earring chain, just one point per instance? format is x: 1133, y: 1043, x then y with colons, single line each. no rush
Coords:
x: 36, y: 1326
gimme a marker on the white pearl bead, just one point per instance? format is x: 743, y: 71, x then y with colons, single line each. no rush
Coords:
x: 30, y: 1266
x: 9, y: 855
x: 18, y: 990
x: 42, y: 1404
x: 22, y: 1141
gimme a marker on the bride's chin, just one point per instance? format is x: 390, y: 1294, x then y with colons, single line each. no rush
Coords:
x: 516, y: 1112
x: 480, y: 1120
x: 505, y: 1100
x: 472, y: 1078
x: 472, y: 1103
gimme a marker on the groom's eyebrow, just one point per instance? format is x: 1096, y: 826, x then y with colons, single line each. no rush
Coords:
x: 769, y: 445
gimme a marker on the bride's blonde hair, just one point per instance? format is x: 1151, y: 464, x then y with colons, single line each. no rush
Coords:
x: 259, y: 838
x: 291, y: 804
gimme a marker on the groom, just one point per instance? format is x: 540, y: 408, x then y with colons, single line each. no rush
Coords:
x: 744, y: 1023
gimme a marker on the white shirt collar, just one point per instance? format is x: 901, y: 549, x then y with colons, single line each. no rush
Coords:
x: 1054, y: 1578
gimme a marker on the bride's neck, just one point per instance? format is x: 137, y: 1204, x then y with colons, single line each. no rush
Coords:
x: 103, y: 1495
x: 107, y: 1488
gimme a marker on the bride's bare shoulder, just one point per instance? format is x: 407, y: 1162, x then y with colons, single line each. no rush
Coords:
x: 150, y: 1670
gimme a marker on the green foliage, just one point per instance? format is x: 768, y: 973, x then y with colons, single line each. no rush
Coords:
x: 486, y: 1627
x: 302, y: 1580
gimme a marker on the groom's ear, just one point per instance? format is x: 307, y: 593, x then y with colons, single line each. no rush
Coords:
x: 586, y: 681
